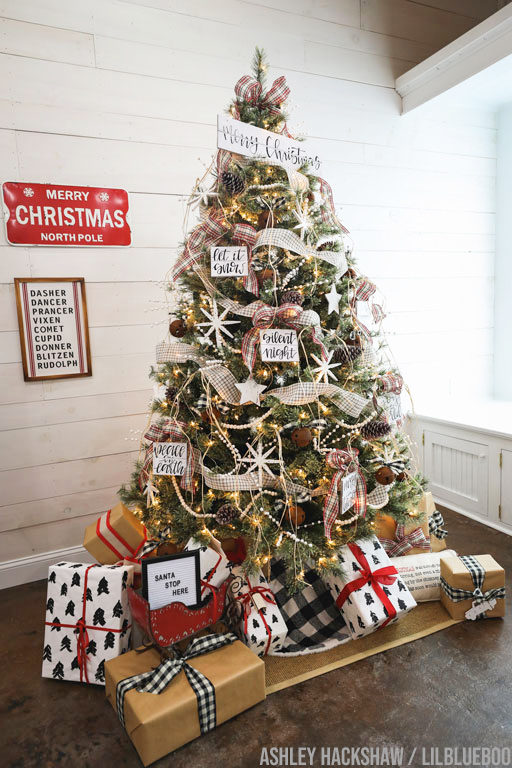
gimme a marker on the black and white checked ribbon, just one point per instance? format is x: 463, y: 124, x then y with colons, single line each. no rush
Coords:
x: 435, y: 526
x: 478, y: 575
x: 156, y: 680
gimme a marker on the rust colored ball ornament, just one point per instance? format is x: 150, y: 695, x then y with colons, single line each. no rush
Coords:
x: 292, y: 297
x: 177, y: 328
x: 264, y: 274
x: 401, y: 476
x: 295, y: 515
x: 208, y: 416
x: 385, y: 476
x: 265, y: 219
x: 301, y: 437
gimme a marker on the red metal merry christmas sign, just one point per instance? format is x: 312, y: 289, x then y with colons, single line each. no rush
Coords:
x: 54, y: 214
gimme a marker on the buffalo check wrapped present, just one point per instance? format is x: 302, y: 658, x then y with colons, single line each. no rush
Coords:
x: 371, y: 594
x: 214, y: 566
x: 253, y: 613
x: 88, y: 620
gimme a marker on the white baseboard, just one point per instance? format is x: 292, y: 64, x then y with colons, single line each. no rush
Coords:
x: 35, y: 567
x: 477, y: 518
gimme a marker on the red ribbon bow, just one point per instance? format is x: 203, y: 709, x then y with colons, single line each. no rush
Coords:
x: 404, y: 542
x: 244, y: 234
x: 344, y: 462
x: 249, y: 90
x: 246, y: 599
x: 374, y: 579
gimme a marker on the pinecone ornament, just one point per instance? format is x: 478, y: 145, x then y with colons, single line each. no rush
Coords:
x: 292, y: 297
x: 346, y: 354
x: 375, y: 429
x: 226, y: 514
x: 233, y: 182
x: 170, y: 394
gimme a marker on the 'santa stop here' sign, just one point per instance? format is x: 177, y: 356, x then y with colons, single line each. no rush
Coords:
x: 53, y: 214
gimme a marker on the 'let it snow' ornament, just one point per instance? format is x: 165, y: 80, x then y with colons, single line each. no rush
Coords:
x: 169, y: 458
x: 348, y: 491
x: 279, y: 345
x: 229, y: 261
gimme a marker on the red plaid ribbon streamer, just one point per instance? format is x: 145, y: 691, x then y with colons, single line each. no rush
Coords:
x: 344, y: 462
x: 169, y: 432
x: 207, y: 233
x: 244, y: 234
x: 365, y: 289
x: 391, y: 382
x: 249, y: 90
x: 223, y: 161
x: 375, y: 579
x: 404, y: 542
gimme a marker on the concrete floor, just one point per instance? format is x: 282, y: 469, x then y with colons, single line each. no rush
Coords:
x: 452, y: 688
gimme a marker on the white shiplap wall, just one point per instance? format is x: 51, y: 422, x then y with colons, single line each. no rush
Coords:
x: 104, y: 92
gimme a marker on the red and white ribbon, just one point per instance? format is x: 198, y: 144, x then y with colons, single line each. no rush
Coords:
x: 248, y: 89
x: 404, y: 542
x: 207, y: 233
x: 114, y: 541
x: 344, y: 462
x: 374, y: 579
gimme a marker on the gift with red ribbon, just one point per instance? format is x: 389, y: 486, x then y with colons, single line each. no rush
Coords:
x: 116, y: 535
x: 370, y: 594
x: 88, y: 620
x: 214, y: 566
x: 253, y: 613
x: 339, y: 498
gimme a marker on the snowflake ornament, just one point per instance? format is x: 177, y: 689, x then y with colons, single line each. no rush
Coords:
x: 216, y: 324
x: 28, y: 192
x: 258, y: 460
x: 104, y: 197
x: 305, y: 222
x: 324, y: 370
x: 200, y: 196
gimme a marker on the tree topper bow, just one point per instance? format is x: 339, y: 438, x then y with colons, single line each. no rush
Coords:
x: 248, y: 89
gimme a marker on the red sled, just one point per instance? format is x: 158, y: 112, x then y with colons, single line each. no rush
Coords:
x: 176, y: 621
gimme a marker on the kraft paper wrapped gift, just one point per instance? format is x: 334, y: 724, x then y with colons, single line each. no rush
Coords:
x: 421, y: 573
x: 468, y: 582
x: 398, y: 540
x: 116, y: 535
x: 253, y: 613
x: 214, y: 566
x: 160, y: 723
x: 370, y: 594
x: 435, y: 522
x: 88, y: 620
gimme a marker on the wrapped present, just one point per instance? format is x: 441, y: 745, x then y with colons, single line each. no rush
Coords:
x: 436, y: 528
x: 421, y: 573
x: 116, y: 535
x: 253, y: 613
x: 370, y: 594
x: 472, y: 586
x: 398, y: 539
x: 88, y: 620
x: 214, y: 566
x: 165, y: 704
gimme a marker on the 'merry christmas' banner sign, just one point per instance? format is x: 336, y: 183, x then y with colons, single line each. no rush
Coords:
x: 52, y: 214
x: 251, y: 141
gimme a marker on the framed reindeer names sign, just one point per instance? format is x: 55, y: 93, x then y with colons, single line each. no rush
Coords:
x: 54, y: 335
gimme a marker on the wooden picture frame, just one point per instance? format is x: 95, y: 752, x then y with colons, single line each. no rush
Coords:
x: 66, y: 342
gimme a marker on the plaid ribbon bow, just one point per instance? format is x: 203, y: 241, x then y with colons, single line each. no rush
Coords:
x: 249, y: 90
x: 344, y: 462
x: 156, y: 680
x: 264, y: 317
x: 244, y: 234
x: 391, y: 382
x: 376, y: 579
x: 207, y: 233
x: 404, y: 542
x: 478, y: 575
x: 168, y: 432
x: 435, y: 525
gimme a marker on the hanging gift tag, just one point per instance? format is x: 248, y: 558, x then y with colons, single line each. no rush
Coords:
x: 279, y: 345
x: 229, y: 261
x: 259, y: 601
x: 169, y: 458
x: 348, y: 491
x: 476, y: 610
x: 393, y: 406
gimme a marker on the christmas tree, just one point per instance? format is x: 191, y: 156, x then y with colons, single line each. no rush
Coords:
x: 283, y: 397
